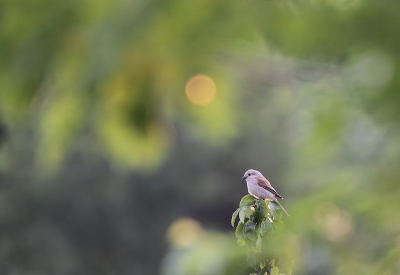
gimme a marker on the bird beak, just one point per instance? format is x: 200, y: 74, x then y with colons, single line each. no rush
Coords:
x: 244, y: 177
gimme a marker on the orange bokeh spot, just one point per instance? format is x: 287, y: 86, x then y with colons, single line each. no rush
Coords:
x: 201, y: 90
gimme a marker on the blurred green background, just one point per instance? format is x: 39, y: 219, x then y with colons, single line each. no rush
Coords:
x: 125, y: 127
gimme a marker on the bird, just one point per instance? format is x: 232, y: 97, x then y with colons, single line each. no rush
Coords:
x: 260, y: 188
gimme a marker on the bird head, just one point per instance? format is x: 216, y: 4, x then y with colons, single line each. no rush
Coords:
x: 251, y: 173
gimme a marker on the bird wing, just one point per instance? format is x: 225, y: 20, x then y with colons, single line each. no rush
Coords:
x: 264, y: 183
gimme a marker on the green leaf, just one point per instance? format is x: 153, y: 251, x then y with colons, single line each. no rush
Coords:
x: 241, y: 242
x: 263, y: 268
x: 266, y: 227
x: 272, y: 211
x: 260, y: 212
x: 262, y: 264
x: 250, y: 212
x: 247, y: 200
x: 250, y: 231
x: 263, y: 209
x: 243, y: 213
x: 278, y: 210
x: 252, y: 261
x: 239, y: 231
x: 274, y: 271
x: 234, y: 216
x: 259, y: 243
x: 256, y: 215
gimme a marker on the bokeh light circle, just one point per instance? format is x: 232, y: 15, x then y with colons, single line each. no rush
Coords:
x: 201, y: 90
x: 184, y: 232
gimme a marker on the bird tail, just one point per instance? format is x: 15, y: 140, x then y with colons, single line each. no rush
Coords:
x: 284, y: 210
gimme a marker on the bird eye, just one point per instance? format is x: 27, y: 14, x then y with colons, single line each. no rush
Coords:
x: 248, y: 174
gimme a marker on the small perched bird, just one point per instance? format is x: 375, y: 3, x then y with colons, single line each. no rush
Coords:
x: 260, y: 188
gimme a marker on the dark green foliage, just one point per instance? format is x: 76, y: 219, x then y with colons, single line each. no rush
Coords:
x: 255, y: 229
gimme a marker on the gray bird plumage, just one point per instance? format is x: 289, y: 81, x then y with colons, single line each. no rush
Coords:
x: 259, y: 187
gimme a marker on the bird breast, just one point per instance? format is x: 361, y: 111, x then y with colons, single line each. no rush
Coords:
x: 257, y: 191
